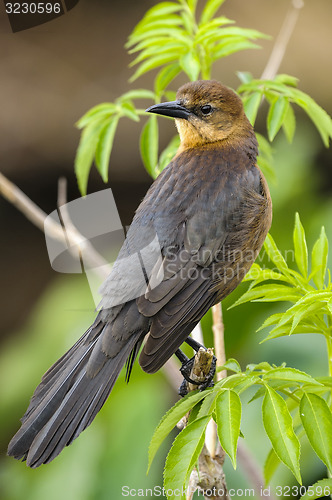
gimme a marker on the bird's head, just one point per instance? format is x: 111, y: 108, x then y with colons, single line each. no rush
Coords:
x: 205, y: 112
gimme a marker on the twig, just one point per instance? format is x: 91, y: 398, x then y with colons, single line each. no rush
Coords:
x: 218, y: 337
x: 70, y: 238
x: 280, y: 45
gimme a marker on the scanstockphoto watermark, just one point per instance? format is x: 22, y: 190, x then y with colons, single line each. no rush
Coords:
x: 159, y: 491
x: 136, y: 264
x: 280, y: 491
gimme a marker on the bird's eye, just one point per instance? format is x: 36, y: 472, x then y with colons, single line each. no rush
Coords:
x: 206, y: 109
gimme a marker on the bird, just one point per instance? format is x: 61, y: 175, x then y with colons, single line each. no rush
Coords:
x: 198, y: 230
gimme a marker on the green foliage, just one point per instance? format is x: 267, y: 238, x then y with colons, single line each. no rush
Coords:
x: 171, y: 34
x: 284, y: 390
x: 171, y: 37
x: 280, y: 93
x: 311, y: 294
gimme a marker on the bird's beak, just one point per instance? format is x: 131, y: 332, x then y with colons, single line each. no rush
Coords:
x: 172, y: 108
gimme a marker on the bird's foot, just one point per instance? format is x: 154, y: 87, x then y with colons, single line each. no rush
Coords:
x: 198, y: 371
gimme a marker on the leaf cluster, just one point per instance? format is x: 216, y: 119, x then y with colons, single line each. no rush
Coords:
x: 172, y: 36
x: 293, y: 405
x: 310, y: 292
x: 281, y: 93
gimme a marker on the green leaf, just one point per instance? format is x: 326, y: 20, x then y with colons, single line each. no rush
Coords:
x: 244, y: 77
x: 319, y: 259
x: 287, y: 80
x: 232, y: 365
x: 223, y: 50
x: 322, y: 488
x: 137, y: 94
x: 149, y: 145
x: 271, y: 464
x: 268, y: 293
x: 317, y: 114
x: 162, y: 9
x: 99, y: 112
x: 104, y: 148
x: 154, y: 62
x: 317, y: 422
x: 165, y: 76
x: 86, y: 152
x: 190, y: 65
x: 228, y: 413
x: 276, y: 116
x: 300, y: 247
x: 289, y: 123
x: 169, y: 421
x: 168, y: 153
x: 251, y: 105
x: 210, y: 9
x: 129, y: 111
x: 279, y: 428
x: 275, y: 255
x: 182, y: 456
x: 291, y: 374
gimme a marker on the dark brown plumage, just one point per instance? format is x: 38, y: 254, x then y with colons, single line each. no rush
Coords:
x: 210, y: 210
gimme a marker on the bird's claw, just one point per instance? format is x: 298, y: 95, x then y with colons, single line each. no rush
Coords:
x: 186, y: 370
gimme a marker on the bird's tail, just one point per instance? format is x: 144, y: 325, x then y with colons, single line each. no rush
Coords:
x: 67, y: 399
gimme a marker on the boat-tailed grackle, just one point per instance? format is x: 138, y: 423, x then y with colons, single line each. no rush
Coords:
x: 210, y: 210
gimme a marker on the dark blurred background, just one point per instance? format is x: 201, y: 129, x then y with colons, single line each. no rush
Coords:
x: 50, y: 76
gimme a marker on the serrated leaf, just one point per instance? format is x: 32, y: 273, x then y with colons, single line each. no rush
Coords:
x: 291, y: 374
x: 279, y: 428
x: 268, y: 293
x: 319, y: 259
x: 210, y: 9
x: 271, y: 464
x: 165, y: 48
x: 287, y: 79
x: 232, y: 365
x: 251, y: 105
x: 275, y: 255
x: 137, y: 94
x: 316, y: 418
x: 104, y: 148
x: 263, y: 365
x: 289, y: 123
x: 318, y: 115
x: 162, y: 9
x: 99, y: 112
x: 129, y: 110
x: 165, y: 76
x: 228, y: 413
x: 86, y: 151
x: 226, y: 49
x: 149, y: 145
x: 300, y: 247
x: 322, y: 488
x: 271, y: 320
x: 190, y: 65
x: 182, y: 456
x: 153, y: 23
x: 276, y: 116
x: 170, y: 419
x: 153, y: 63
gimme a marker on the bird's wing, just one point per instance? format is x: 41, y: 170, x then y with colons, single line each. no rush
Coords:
x: 212, y: 219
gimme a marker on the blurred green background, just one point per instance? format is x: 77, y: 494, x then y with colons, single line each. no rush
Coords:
x: 51, y: 75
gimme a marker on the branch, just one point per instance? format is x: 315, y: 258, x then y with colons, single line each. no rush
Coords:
x: 279, y: 48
